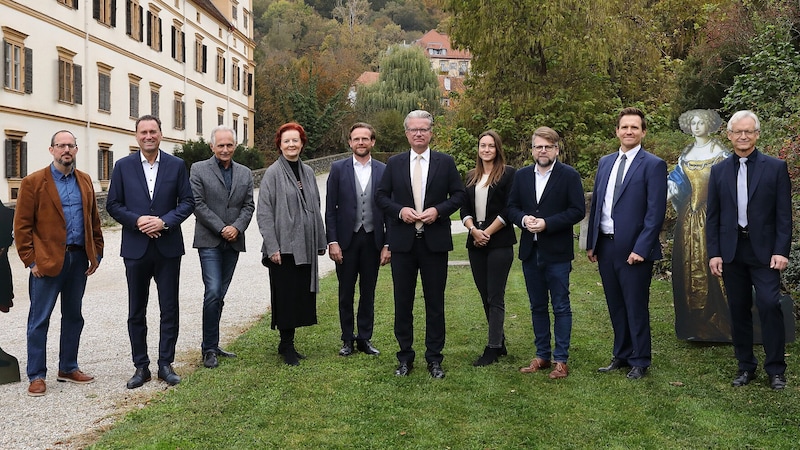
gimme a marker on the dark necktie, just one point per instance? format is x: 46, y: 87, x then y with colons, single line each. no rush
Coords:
x: 618, y: 182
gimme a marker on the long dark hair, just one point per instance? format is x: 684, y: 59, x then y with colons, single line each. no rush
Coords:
x: 498, y: 167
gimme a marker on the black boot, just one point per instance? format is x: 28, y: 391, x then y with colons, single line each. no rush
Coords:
x: 286, y: 348
x: 502, y: 351
x: 489, y: 357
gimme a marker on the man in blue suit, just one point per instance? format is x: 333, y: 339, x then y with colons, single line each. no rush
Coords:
x: 749, y: 234
x: 627, y: 211
x: 150, y: 196
x: 418, y: 192
x: 356, y: 236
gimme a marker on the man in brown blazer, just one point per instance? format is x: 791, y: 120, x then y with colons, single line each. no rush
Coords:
x: 58, y: 237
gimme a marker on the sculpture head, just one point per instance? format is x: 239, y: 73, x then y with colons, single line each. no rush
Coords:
x: 699, y: 122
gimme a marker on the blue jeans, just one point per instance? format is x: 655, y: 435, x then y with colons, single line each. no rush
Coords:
x: 542, y: 278
x: 70, y: 283
x: 217, y: 265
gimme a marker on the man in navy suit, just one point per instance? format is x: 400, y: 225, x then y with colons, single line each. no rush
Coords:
x: 419, y: 191
x: 546, y: 202
x: 749, y: 234
x: 150, y: 196
x: 356, y: 236
x: 626, y: 215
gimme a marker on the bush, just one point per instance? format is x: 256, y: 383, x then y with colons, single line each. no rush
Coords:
x: 194, y: 151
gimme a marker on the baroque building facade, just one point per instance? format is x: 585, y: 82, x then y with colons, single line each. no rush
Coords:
x: 93, y: 66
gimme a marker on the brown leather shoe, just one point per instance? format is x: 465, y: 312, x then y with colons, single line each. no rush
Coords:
x: 561, y: 371
x: 75, y: 377
x: 536, y: 365
x: 37, y: 388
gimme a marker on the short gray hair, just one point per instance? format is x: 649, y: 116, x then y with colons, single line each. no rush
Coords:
x: 743, y: 114
x: 217, y: 128
x: 418, y: 114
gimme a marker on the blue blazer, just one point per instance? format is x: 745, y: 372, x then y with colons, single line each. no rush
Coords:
x: 341, y: 200
x: 640, y: 208
x: 769, y: 208
x: 128, y: 199
x: 444, y: 191
x: 562, y: 206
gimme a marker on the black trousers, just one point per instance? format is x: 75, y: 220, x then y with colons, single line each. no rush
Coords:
x: 432, y: 267
x: 360, y: 262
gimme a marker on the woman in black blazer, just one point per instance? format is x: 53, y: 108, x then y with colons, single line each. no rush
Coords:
x: 491, y: 237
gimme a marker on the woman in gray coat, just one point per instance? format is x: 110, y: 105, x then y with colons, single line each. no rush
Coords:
x: 291, y: 224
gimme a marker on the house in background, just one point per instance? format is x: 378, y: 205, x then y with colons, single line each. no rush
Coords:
x: 93, y: 66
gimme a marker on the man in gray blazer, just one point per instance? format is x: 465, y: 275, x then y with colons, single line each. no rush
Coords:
x: 223, y: 197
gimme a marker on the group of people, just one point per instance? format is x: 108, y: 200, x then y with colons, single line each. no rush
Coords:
x: 398, y: 213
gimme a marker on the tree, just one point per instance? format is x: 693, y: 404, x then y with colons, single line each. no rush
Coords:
x: 406, y: 83
x: 317, y: 118
x: 351, y: 12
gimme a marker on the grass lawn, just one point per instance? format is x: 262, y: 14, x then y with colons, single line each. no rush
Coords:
x: 255, y: 401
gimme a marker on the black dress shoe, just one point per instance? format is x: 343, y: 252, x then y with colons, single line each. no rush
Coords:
x: 210, y: 359
x: 435, y: 369
x: 140, y: 377
x: 743, y: 378
x: 347, y: 348
x: 616, y: 364
x: 224, y: 354
x: 777, y: 381
x: 404, y: 368
x: 165, y: 373
x: 636, y: 372
x: 366, y: 347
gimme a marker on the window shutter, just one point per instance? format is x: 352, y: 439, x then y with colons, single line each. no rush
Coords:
x: 113, y: 13
x: 128, y: 19
x: 141, y: 25
x: 75, y: 4
x: 77, y: 84
x: 224, y: 69
x: 100, y: 165
x: 174, y: 33
x: 96, y: 9
x: 183, y: 46
x: 149, y: 28
x: 183, y: 115
x: 28, y: 70
x: 205, y: 59
x: 23, y: 159
x: 110, y: 163
x: 9, y: 159
x: 5, y: 56
x: 160, y: 37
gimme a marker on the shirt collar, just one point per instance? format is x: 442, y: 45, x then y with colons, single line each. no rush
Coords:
x: 426, y: 155
x: 143, y: 159
x: 356, y: 163
x: 57, y: 174
x: 222, y: 166
x: 630, y: 154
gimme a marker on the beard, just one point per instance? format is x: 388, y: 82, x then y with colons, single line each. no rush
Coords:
x: 544, y: 161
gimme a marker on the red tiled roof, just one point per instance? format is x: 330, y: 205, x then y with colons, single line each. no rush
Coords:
x: 435, y: 40
x: 368, y: 78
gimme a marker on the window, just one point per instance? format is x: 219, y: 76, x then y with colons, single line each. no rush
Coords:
x: 134, y: 27
x: 16, y: 153
x: 235, y: 124
x: 104, y: 11
x: 104, y: 87
x: 249, y: 84
x: 199, y: 112
x: 245, y: 130
x: 442, y: 66
x: 234, y: 11
x: 70, y: 78
x: 105, y: 161
x: 154, y: 29
x: 133, y: 94
x: 69, y: 3
x: 154, y: 99
x: 245, y: 19
x: 179, y: 112
x: 178, y: 43
x: 17, y: 62
x: 220, y: 66
x: 200, y: 55
x: 235, y: 75
x: 220, y: 116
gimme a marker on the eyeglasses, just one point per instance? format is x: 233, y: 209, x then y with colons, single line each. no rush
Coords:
x: 747, y: 133
x: 65, y: 146
x: 417, y: 130
x: 544, y: 148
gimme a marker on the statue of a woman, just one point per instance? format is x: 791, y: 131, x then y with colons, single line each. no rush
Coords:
x: 701, y: 311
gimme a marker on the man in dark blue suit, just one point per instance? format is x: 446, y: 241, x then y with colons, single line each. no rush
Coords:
x: 626, y: 215
x: 356, y: 236
x: 150, y: 196
x: 749, y: 234
x: 546, y: 201
x: 418, y: 192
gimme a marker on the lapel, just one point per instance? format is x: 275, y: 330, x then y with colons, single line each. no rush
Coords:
x: 758, y: 169
x: 405, y: 168
x: 52, y: 192
x: 349, y: 178
x: 635, y: 164
x: 603, y: 174
x: 552, y: 181
x: 729, y: 176
x: 159, y: 179
x: 433, y: 167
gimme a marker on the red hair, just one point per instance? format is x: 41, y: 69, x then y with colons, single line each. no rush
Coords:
x: 290, y: 126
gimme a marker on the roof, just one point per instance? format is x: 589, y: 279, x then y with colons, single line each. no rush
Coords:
x: 212, y: 10
x: 368, y: 78
x: 437, y: 41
